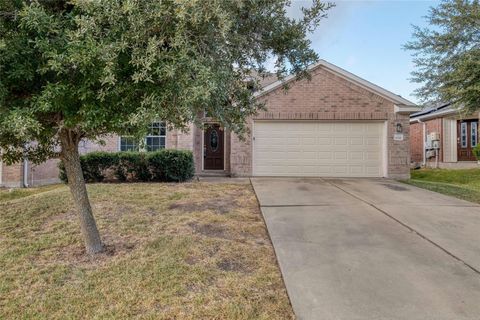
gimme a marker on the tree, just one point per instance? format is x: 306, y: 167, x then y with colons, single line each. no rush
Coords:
x: 447, y: 54
x: 82, y: 69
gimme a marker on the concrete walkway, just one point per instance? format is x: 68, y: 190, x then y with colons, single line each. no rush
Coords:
x: 373, y: 249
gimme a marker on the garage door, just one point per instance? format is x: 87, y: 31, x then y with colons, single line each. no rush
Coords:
x: 322, y: 149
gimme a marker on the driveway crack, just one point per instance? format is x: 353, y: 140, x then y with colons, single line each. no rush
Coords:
x: 405, y: 226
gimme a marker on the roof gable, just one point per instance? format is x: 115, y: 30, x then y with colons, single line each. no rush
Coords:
x: 345, y: 75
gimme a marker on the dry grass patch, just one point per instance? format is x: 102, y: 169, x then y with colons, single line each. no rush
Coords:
x: 174, y: 251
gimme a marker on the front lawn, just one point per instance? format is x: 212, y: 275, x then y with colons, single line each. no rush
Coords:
x: 463, y: 184
x: 174, y: 251
x: 17, y: 193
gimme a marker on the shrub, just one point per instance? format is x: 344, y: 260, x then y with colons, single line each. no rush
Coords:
x: 164, y: 165
x: 171, y: 165
x: 131, y: 166
x: 476, y: 151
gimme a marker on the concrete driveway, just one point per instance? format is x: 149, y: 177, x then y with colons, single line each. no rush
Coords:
x: 373, y: 248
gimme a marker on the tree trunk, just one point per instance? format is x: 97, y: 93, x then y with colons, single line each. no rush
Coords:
x: 71, y: 160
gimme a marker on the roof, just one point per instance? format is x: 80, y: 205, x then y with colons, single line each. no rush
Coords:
x: 433, y: 111
x: 397, y: 99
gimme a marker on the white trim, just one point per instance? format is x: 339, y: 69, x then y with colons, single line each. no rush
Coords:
x: 385, y: 149
x: 402, y: 109
x: 345, y: 75
x: 434, y: 115
x: 1, y: 172
x: 450, y: 144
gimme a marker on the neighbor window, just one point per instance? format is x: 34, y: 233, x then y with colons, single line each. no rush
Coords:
x: 155, y: 139
x: 473, y: 133
x: 463, y: 134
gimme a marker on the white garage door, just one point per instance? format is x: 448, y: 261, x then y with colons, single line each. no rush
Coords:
x: 322, y: 149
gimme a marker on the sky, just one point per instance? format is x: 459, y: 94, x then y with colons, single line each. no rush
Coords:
x: 366, y: 39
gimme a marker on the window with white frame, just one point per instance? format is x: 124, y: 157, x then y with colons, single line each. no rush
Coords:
x: 128, y: 144
x: 155, y: 139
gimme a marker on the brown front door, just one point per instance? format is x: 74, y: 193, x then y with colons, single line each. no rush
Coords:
x: 467, y: 139
x: 213, y: 148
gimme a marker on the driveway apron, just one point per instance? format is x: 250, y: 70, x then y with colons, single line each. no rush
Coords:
x: 373, y: 248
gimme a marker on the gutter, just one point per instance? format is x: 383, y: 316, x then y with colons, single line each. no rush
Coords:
x: 433, y: 115
x: 424, y: 126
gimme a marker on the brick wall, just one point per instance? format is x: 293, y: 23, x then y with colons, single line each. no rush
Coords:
x: 178, y: 139
x: 12, y: 175
x: 109, y: 143
x: 44, y: 173
x: 328, y: 97
x: 416, y: 142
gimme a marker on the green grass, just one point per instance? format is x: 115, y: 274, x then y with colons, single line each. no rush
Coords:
x: 174, y: 251
x: 17, y: 193
x: 463, y: 183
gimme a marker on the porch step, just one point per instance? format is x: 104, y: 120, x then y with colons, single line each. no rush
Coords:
x: 213, y: 174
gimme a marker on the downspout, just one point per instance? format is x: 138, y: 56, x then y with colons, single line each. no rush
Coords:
x: 424, y: 127
x: 25, y: 173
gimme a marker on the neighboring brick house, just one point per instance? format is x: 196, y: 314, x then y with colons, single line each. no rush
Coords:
x: 443, y: 136
x: 334, y: 125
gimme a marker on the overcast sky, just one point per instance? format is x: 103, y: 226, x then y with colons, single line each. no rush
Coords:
x: 366, y: 38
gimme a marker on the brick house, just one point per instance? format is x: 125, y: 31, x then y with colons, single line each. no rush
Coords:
x: 443, y: 136
x: 335, y: 125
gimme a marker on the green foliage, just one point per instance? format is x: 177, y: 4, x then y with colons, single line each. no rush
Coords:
x: 89, y: 68
x: 447, y: 55
x: 476, y: 151
x: 163, y: 165
x: 171, y: 165
x: 131, y: 164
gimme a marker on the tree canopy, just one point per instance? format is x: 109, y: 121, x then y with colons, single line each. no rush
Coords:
x: 447, y: 54
x: 100, y: 67
x: 82, y: 69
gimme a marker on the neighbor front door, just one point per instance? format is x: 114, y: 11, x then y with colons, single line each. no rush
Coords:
x: 213, y: 152
x: 467, y: 139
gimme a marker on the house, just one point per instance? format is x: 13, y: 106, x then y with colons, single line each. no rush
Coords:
x: 443, y: 136
x: 333, y: 125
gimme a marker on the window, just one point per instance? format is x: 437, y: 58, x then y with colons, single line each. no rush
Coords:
x: 155, y: 139
x: 463, y: 134
x: 128, y: 144
x: 473, y: 134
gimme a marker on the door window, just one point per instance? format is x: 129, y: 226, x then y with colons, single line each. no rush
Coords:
x: 214, y: 140
x: 463, y: 134
x: 473, y: 134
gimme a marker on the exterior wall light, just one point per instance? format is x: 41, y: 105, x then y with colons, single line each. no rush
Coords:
x: 399, y: 128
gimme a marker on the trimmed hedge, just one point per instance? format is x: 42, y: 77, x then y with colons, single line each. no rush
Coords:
x: 164, y: 165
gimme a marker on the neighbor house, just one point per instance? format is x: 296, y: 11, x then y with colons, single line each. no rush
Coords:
x: 443, y: 136
x: 333, y: 125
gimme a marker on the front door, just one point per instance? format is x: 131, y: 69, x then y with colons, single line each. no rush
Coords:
x: 213, y: 148
x: 467, y: 139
